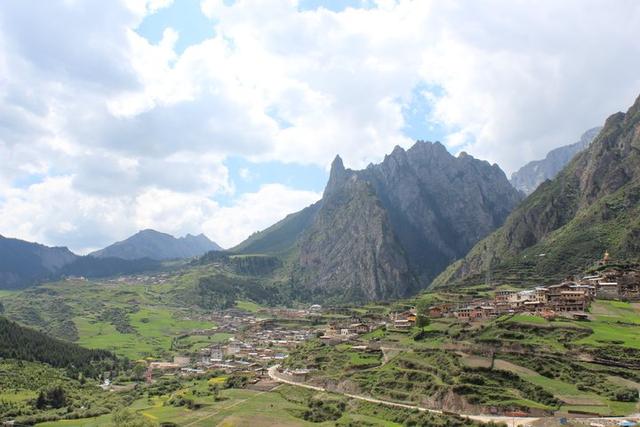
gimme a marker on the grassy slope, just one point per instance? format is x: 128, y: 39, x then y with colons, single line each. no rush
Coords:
x: 155, y: 313
x: 410, y: 374
x: 21, y: 381
x: 280, y: 237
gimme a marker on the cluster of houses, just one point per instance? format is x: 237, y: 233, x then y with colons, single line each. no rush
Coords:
x: 347, y: 330
x: 571, y: 296
x: 262, y: 344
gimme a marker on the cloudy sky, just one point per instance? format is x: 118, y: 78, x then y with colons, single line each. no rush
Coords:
x: 222, y: 116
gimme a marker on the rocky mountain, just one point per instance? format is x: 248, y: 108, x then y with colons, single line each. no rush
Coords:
x: 154, y: 245
x: 386, y: 231
x: 534, y: 173
x: 564, y: 226
x: 22, y: 263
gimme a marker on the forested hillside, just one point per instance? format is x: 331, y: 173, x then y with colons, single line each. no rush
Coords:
x: 18, y: 342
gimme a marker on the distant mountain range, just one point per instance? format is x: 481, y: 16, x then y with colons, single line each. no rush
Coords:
x: 386, y: 231
x: 563, y: 227
x: 24, y: 263
x: 534, y: 173
x: 154, y: 245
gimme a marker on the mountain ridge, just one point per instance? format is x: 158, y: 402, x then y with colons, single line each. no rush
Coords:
x: 24, y: 264
x: 157, y: 246
x: 534, y: 173
x: 387, y: 230
x: 564, y: 226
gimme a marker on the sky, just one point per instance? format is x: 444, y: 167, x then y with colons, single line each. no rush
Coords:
x: 222, y: 116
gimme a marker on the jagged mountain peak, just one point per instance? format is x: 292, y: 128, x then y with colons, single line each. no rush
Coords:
x: 385, y: 231
x: 337, y: 164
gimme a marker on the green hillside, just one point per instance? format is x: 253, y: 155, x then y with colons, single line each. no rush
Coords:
x: 280, y: 237
x: 18, y: 342
x: 568, y: 223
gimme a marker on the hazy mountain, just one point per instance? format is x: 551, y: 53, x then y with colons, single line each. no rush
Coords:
x: 23, y: 263
x: 154, y: 245
x: 387, y: 230
x: 568, y: 223
x: 534, y: 173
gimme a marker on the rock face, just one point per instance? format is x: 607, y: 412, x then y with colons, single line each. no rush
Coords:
x: 350, y: 249
x: 531, y: 175
x: 386, y: 231
x: 23, y: 263
x: 154, y: 245
x: 568, y: 223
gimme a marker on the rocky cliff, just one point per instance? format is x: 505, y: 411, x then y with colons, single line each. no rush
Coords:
x: 568, y: 223
x: 386, y: 231
x: 534, y: 173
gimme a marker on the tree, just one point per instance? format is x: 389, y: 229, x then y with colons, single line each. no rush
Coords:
x: 422, y: 321
x: 215, y: 390
x: 41, y: 402
x: 422, y: 307
x: 56, y: 397
x: 139, y: 370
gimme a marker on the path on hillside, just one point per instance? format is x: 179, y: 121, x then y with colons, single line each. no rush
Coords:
x: 510, y: 421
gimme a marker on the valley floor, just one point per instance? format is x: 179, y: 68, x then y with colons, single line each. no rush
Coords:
x: 353, y: 366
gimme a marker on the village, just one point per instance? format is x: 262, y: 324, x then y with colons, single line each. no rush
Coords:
x: 254, y: 343
x: 571, y: 298
x: 264, y: 338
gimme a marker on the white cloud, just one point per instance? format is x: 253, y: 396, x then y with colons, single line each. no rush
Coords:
x: 53, y: 212
x: 129, y: 134
x: 255, y: 211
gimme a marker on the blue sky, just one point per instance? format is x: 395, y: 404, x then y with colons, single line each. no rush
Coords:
x: 222, y: 116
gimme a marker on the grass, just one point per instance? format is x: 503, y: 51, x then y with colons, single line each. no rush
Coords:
x: 152, y: 314
x: 568, y: 392
x: 614, y: 321
x: 528, y: 319
x: 248, y: 306
x: 605, y: 333
x: 237, y: 408
x: 83, y: 422
x: 196, y: 342
x: 95, y: 334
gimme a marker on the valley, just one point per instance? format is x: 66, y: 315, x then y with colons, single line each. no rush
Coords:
x: 193, y: 365
x: 420, y: 291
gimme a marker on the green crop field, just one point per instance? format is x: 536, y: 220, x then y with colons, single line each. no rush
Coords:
x: 283, y: 406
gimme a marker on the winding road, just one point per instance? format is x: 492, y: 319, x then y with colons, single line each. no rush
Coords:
x: 509, y: 421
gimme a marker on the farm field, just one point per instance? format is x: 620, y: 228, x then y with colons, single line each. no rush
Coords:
x: 236, y: 408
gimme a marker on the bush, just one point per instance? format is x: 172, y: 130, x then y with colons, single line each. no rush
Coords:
x: 625, y: 395
x: 324, y: 410
x: 236, y: 381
